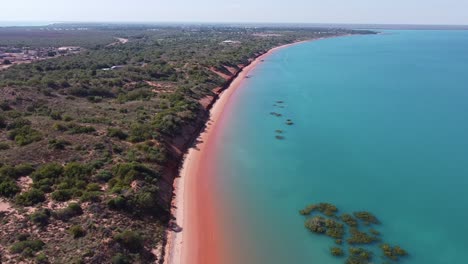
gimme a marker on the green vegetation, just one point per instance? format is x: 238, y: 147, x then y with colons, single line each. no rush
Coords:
x: 131, y: 240
x: 120, y: 258
x: 77, y: 231
x: 367, y: 218
x: 31, y: 197
x: 4, y: 146
x: 65, y: 214
x: 8, y: 177
x: 117, y: 133
x: 8, y: 188
x: 58, y: 144
x: 359, y: 256
x: 322, y: 218
x: 328, y: 226
x: 393, y: 253
x: 349, y: 220
x: 358, y: 237
x: 325, y: 208
x: 41, y: 217
x: 336, y: 251
x: 26, y: 245
x: 24, y: 135
x: 41, y: 258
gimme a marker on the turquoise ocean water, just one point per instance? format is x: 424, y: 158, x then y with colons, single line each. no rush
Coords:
x: 381, y: 124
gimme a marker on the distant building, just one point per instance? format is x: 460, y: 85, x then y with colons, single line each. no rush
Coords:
x: 117, y: 67
x: 69, y: 49
x: 231, y: 42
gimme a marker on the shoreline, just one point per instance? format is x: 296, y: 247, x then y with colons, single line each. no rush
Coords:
x: 191, y: 180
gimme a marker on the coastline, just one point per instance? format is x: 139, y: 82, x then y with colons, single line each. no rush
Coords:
x: 191, y: 189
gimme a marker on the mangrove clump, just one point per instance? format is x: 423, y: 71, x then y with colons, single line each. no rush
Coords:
x: 349, y: 220
x: 366, y: 217
x: 393, y: 253
x: 322, y: 218
x: 336, y: 251
x: 359, y: 237
x: 359, y: 256
x: 324, y: 208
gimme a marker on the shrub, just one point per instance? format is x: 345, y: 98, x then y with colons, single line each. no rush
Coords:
x: 145, y: 200
x: 24, y: 169
x: 67, y: 118
x: 3, y: 122
x: 32, y: 197
x: 44, y: 185
x: 131, y: 240
x: 21, y: 246
x: 4, y: 146
x: 60, y: 127
x: 140, y: 133
x: 72, y: 210
x: 41, y: 217
x: 77, y: 231
x: 93, y: 187
x: 17, y: 171
x: 118, y: 203
x: 5, y: 106
x: 62, y: 195
x: 90, y: 197
x: 116, y: 133
x: 152, y: 153
x: 8, y: 171
x: 42, y: 259
x: 77, y: 171
x: 120, y: 258
x: 167, y: 123
x: 56, y: 116
x: 18, y: 123
x: 25, y: 135
x: 126, y: 173
x: 77, y: 129
x: 58, y: 144
x: 48, y: 171
x: 8, y: 188
x: 104, y: 176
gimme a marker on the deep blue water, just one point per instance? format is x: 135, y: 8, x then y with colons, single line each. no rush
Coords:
x: 381, y: 124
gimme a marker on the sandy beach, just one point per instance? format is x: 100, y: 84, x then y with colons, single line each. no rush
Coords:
x: 200, y: 241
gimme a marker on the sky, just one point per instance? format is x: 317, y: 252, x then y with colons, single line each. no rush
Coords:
x: 442, y: 12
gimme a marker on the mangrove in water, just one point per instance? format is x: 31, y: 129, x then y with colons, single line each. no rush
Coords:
x: 356, y: 231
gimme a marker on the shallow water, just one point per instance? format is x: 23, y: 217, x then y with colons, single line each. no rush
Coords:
x: 380, y: 124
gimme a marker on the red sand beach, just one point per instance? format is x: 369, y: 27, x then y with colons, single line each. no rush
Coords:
x: 201, y: 240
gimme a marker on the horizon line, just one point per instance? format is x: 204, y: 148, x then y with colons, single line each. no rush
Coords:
x: 225, y: 23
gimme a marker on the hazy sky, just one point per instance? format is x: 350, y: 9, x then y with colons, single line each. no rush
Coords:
x: 291, y: 11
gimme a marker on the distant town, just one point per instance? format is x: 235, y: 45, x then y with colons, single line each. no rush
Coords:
x: 10, y: 56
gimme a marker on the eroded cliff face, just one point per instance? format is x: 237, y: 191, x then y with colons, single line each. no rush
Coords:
x: 189, y: 133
